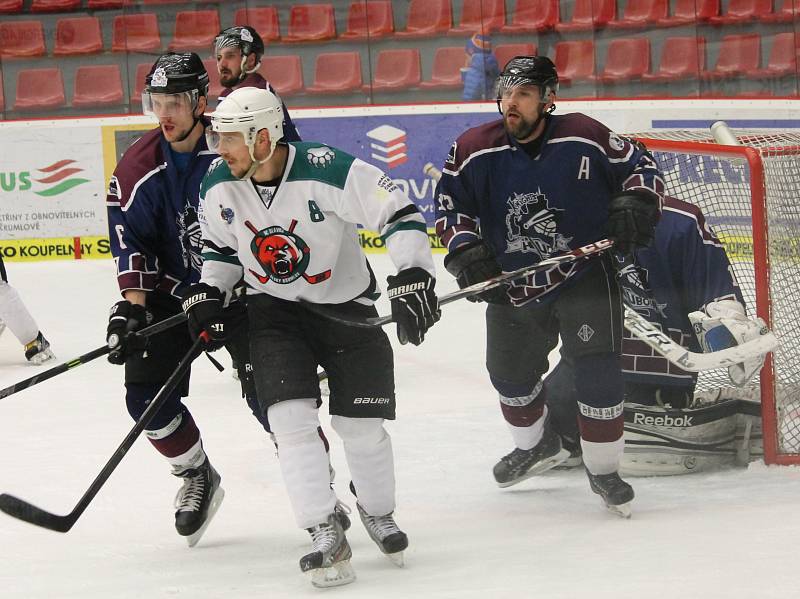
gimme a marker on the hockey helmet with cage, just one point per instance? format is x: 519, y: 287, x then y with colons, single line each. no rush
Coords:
x: 176, y: 74
x: 246, y: 39
x: 529, y: 70
x: 247, y: 110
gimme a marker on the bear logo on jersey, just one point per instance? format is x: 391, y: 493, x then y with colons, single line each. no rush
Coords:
x: 531, y: 226
x: 283, y: 255
x: 320, y: 157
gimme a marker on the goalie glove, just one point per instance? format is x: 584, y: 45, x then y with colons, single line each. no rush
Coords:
x: 724, y: 324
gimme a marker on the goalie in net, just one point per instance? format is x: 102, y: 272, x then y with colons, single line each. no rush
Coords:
x: 684, y: 284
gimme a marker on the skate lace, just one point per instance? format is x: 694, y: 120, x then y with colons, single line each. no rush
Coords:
x: 323, y: 537
x: 190, y: 495
x: 382, y: 526
x: 517, y: 457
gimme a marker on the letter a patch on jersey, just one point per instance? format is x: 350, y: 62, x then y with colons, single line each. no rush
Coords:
x: 583, y: 169
x: 283, y: 255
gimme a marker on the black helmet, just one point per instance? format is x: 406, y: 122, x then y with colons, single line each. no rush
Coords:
x: 174, y: 73
x: 529, y: 70
x: 243, y: 37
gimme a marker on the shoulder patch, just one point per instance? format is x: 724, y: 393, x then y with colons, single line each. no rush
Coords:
x: 318, y: 162
x: 218, y: 172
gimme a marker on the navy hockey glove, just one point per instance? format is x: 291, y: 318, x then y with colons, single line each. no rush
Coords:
x: 632, y: 219
x: 203, y: 305
x: 124, y: 320
x: 473, y: 263
x: 415, y: 307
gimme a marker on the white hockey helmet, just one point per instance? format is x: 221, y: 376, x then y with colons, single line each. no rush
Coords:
x: 247, y: 110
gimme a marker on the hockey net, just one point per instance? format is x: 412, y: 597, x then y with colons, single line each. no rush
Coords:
x: 750, y: 195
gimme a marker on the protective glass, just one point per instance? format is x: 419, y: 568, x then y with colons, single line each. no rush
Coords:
x: 223, y: 140
x: 169, y: 105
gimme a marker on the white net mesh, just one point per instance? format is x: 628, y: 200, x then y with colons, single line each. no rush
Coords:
x: 720, y: 186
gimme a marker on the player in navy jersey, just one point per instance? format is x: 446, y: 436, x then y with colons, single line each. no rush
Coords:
x: 514, y: 192
x: 685, y: 272
x: 238, y: 51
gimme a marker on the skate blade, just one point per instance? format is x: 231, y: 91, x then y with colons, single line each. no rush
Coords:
x: 336, y: 575
x: 42, y: 357
x: 216, y: 500
x: 541, y: 467
x: 622, y: 510
x: 396, y: 558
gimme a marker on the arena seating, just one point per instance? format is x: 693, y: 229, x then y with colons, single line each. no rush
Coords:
x: 21, y: 39
x: 55, y: 5
x: 682, y: 57
x: 639, y: 14
x: 574, y: 61
x: 264, y: 20
x: 39, y: 89
x: 79, y: 35
x: 311, y: 23
x: 336, y: 73
x: 627, y: 59
x: 98, y: 85
x: 588, y: 15
x: 8, y: 7
x: 505, y: 52
x: 533, y: 15
x: 690, y: 12
x: 135, y: 33
x: 738, y: 54
x: 214, y: 86
x: 741, y: 11
x: 427, y: 18
x: 446, y: 73
x: 396, y: 70
x: 484, y: 16
x: 369, y: 20
x: 782, y: 58
x: 787, y: 12
x: 195, y: 30
x: 285, y: 73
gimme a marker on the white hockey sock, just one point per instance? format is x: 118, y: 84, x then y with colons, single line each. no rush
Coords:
x: 602, y: 458
x: 526, y: 437
x: 303, y: 460
x: 368, y: 449
x: 16, y: 316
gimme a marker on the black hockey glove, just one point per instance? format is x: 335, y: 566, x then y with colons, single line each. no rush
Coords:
x: 124, y: 320
x: 475, y: 263
x: 203, y: 305
x: 415, y: 307
x: 632, y: 219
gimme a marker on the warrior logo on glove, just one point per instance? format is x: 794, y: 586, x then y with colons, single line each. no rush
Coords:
x: 283, y: 255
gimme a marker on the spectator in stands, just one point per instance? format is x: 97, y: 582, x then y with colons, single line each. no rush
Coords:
x: 238, y: 51
x: 480, y: 70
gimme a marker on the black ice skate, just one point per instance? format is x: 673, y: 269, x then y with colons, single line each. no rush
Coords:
x: 197, y: 501
x: 575, y: 458
x: 616, y: 493
x: 38, y: 351
x: 329, y: 560
x: 522, y: 464
x: 387, y: 536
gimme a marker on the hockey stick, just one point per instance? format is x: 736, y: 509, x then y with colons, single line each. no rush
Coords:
x: 477, y: 288
x: 22, y: 510
x: 153, y: 329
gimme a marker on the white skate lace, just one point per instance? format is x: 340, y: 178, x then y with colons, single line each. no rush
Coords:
x: 190, y: 495
x: 323, y: 538
x: 382, y: 526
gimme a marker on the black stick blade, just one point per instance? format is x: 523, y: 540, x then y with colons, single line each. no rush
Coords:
x: 22, y: 510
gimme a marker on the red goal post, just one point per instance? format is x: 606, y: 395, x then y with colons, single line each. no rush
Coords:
x: 750, y: 195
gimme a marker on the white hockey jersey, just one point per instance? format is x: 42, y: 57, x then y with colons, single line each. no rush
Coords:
x: 301, y: 242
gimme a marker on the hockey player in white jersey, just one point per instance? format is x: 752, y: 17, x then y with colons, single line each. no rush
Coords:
x: 283, y: 217
x: 15, y: 316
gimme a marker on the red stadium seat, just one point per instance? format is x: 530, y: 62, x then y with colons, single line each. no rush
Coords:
x: 21, y: 39
x: 163, y: 1
x: 738, y: 54
x: 640, y: 14
x: 782, y: 58
x: 97, y: 85
x: 336, y: 73
x: 285, y: 73
x: 40, y: 89
x: 505, y: 52
x: 311, y: 23
x: 195, y: 29
x: 785, y: 14
x: 481, y: 16
x: 80, y: 35
x: 588, y: 15
x: 627, y: 58
x: 742, y: 11
x: 396, y: 70
x: 689, y: 12
x: 533, y: 15
x: 8, y: 7
x: 264, y: 20
x: 427, y: 18
x: 681, y: 58
x: 575, y: 61
x: 55, y: 5
x: 138, y: 82
x: 447, y: 64
x: 135, y: 33
x: 214, y: 85
x: 371, y: 19
x: 102, y: 4
x: 2, y: 99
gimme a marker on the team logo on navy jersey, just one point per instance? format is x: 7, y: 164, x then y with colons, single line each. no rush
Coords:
x: 191, y: 238
x: 531, y: 225
x: 283, y: 255
x: 633, y: 281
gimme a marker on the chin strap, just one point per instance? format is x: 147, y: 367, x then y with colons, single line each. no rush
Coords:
x: 256, y: 163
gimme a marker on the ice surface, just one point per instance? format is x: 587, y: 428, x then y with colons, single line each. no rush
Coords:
x: 732, y: 534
